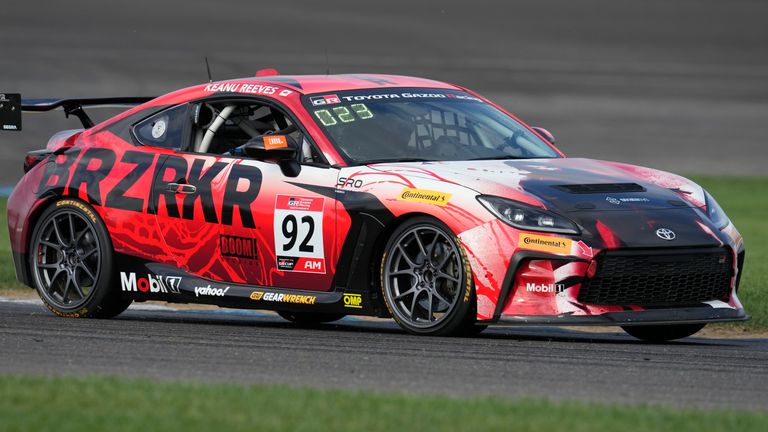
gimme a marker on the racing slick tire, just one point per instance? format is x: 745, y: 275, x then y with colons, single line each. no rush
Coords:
x: 71, y: 262
x: 426, y: 279
x: 310, y: 317
x: 663, y: 333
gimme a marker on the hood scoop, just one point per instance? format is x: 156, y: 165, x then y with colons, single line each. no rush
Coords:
x: 600, y: 188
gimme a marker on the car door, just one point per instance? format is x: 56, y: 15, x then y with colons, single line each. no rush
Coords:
x: 241, y: 220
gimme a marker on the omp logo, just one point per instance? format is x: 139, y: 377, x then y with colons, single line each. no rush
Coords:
x: 544, y: 288
x: 208, y: 291
x: 424, y: 196
x: 151, y: 283
x: 283, y: 298
x: 353, y: 301
x: 545, y: 243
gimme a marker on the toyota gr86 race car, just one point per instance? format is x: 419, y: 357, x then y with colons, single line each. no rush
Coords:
x: 388, y: 196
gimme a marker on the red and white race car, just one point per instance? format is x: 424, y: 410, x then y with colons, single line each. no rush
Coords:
x: 325, y: 196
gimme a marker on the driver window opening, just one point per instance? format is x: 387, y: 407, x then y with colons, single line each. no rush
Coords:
x: 224, y: 127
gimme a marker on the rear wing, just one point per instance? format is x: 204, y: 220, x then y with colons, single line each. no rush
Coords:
x: 11, y: 106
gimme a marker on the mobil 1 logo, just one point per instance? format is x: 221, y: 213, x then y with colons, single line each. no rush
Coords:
x: 298, y: 232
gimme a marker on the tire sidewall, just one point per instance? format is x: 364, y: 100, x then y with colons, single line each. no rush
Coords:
x: 101, y: 291
x: 458, y: 316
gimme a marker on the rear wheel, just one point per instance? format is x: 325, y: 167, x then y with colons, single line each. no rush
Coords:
x: 71, y: 262
x: 426, y: 279
x: 663, y: 333
x: 310, y: 317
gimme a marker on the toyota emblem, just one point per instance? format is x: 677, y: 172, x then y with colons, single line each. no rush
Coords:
x: 665, y: 234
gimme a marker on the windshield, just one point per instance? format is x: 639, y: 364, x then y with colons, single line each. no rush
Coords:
x: 382, y: 125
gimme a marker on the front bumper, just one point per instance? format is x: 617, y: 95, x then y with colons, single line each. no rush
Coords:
x: 693, y: 315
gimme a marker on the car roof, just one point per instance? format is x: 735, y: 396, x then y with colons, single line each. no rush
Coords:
x: 309, y: 84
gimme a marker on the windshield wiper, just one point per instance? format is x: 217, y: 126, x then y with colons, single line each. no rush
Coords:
x: 385, y: 160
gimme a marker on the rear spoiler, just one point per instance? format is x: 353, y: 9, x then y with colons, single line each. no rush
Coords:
x: 11, y: 106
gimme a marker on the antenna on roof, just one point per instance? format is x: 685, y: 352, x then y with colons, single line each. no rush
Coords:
x: 208, y: 67
x: 327, y: 65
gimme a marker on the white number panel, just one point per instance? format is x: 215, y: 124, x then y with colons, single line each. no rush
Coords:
x: 299, y: 234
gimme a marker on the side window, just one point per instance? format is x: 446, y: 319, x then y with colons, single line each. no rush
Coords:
x: 222, y: 127
x: 164, y: 129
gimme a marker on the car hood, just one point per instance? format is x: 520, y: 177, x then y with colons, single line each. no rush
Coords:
x: 615, y: 204
x: 564, y: 184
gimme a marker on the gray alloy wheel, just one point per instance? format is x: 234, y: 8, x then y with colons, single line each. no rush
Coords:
x: 68, y: 259
x: 425, y: 278
x: 71, y: 262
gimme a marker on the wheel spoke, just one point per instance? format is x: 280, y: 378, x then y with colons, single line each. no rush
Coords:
x: 432, y: 246
x: 71, y: 228
x: 58, y: 232
x: 413, y: 305
x: 66, y: 289
x: 441, y: 298
x: 80, y: 236
x: 421, y: 245
x: 429, y: 302
x: 49, y: 265
x: 90, y: 252
x: 77, y: 286
x: 407, y: 259
x: 52, y: 245
x: 410, y: 291
x: 440, y: 274
x: 88, y: 272
x: 408, y: 272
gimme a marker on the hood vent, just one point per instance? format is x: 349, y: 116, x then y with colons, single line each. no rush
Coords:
x: 600, y: 188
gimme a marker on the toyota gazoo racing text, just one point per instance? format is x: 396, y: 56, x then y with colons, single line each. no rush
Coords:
x: 389, y: 196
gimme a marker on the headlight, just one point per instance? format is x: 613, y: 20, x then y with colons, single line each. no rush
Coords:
x: 715, y: 213
x: 526, y: 217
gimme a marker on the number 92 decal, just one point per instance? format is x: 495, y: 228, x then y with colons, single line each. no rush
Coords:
x: 299, y: 234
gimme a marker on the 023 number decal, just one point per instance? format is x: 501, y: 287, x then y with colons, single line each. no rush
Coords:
x: 298, y: 232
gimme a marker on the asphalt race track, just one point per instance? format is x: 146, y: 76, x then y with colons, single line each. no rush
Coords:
x: 678, y: 85
x: 253, y: 347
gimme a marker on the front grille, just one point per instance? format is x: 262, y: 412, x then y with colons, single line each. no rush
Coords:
x: 600, y: 188
x: 659, y: 278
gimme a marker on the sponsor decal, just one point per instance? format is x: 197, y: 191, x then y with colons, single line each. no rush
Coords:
x: 542, y: 243
x: 283, y: 298
x: 349, y: 182
x: 298, y: 229
x: 208, y: 291
x: 619, y: 201
x: 10, y: 111
x: 408, y: 95
x: 149, y: 284
x: 324, y: 100
x: 275, y: 141
x: 78, y: 171
x: 238, y: 247
x: 424, y: 196
x: 545, y: 288
x: 665, y: 234
x: 353, y: 301
x: 249, y: 88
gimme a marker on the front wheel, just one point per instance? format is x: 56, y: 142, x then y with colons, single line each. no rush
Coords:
x: 426, y: 278
x: 663, y: 333
x: 71, y: 262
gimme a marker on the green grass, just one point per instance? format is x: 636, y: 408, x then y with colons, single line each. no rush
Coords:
x: 121, y: 404
x: 745, y: 199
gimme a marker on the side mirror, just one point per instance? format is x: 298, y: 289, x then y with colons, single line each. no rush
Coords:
x: 544, y: 134
x: 280, y: 149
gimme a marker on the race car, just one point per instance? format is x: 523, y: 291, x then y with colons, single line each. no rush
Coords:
x: 387, y: 196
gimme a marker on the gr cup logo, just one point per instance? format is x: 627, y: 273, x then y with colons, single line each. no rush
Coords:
x: 150, y: 284
x: 324, y: 100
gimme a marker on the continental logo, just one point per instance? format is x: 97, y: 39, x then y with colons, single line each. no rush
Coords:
x: 424, y: 196
x: 545, y: 243
x: 79, y: 205
x: 353, y: 301
x: 283, y: 298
